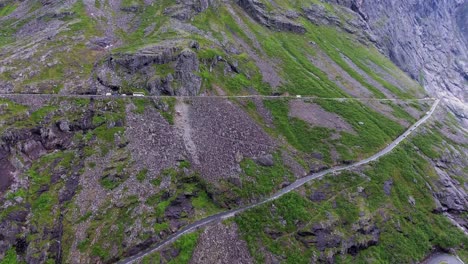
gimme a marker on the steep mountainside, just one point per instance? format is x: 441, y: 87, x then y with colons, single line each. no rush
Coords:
x: 242, y: 99
x: 428, y: 40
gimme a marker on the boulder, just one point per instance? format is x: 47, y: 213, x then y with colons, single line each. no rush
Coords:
x: 388, y: 187
x: 33, y: 149
x: 318, y: 196
x: 179, y: 208
x: 64, y: 125
x: 265, y: 160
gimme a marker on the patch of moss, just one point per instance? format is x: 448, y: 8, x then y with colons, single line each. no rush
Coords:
x: 169, y: 114
x: 10, y: 257
x: 141, y: 176
x: 7, y: 9
x: 298, y: 133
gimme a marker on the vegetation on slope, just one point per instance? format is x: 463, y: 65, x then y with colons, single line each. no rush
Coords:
x: 407, y: 232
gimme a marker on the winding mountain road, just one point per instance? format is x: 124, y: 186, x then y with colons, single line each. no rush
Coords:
x: 221, y: 216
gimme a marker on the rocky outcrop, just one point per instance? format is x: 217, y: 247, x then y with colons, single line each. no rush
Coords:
x: 37, y: 141
x: 6, y: 169
x: 179, y: 210
x: 18, y: 149
x: 185, y: 68
x: 187, y: 9
x: 257, y: 11
x: 330, y: 243
x: 450, y: 195
x: 11, y: 227
x: 354, y: 23
x: 164, y: 69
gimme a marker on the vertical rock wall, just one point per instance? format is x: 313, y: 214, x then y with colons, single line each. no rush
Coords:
x: 426, y: 38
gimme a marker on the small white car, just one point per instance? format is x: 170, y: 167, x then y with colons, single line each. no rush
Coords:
x: 139, y: 94
x: 298, y: 96
x: 108, y: 94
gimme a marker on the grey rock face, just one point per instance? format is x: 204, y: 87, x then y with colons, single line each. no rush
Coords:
x: 186, y: 65
x: 257, y: 11
x: 33, y: 149
x: 318, y: 15
x: 64, y: 126
x: 187, y: 9
x: 355, y: 24
x: 330, y: 243
x: 181, y: 205
x: 6, y: 169
x: 427, y: 39
x: 451, y: 197
x: 177, y: 76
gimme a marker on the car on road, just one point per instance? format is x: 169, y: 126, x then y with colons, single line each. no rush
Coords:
x: 138, y: 94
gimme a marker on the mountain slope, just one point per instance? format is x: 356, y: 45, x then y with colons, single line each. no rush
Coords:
x: 428, y: 40
x: 90, y: 178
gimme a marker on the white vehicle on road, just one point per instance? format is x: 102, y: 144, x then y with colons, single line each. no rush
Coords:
x: 138, y: 94
x: 108, y: 94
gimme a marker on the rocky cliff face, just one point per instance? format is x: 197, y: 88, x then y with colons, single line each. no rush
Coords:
x: 428, y: 40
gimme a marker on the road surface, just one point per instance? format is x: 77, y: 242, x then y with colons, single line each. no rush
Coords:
x: 212, y: 96
x: 442, y: 258
x: 221, y: 216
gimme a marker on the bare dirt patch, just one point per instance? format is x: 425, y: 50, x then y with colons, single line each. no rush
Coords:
x: 316, y: 116
x: 269, y: 74
x: 153, y: 142
x: 368, y: 78
x: 396, y: 78
x: 221, y: 244
x: 32, y: 102
x: 387, y: 110
x: 182, y: 122
x: 218, y: 125
x: 339, y: 76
